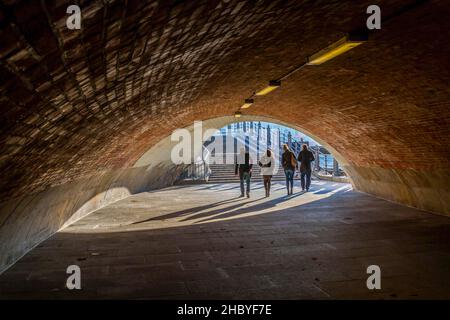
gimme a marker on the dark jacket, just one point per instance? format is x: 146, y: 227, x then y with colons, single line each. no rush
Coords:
x: 286, y: 160
x: 305, y: 157
x: 245, y: 166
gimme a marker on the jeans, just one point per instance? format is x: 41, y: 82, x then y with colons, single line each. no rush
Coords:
x: 305, y: 174
x: 289, y: 179
x: 245, y: 176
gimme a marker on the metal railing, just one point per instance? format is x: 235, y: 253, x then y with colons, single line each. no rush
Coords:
x: 326, y: 163
x: 198, y: 170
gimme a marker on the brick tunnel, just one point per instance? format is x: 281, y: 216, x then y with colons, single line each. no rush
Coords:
x: 87, y: 114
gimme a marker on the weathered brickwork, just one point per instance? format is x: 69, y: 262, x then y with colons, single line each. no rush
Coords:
x: 74, y: 103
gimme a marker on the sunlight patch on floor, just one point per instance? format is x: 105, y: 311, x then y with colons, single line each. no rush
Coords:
x: 198, y: 204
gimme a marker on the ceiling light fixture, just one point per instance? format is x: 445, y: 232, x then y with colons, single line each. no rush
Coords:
x: 273, y: 84
x: 350, y: 41
x: 247, y: 103
x: 341, y: 46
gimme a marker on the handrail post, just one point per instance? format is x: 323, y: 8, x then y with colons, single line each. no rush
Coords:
x: 317, y: 160
x: 335, y: 167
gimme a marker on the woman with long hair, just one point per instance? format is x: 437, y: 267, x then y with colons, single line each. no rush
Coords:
x: 289, y: 163
x: 267, y: 164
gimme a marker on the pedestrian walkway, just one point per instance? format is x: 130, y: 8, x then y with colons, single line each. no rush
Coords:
x: 201, y: 241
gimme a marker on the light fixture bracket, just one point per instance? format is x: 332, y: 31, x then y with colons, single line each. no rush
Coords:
x: 273, y: 84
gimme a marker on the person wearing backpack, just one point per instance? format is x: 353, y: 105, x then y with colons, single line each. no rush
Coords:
x: 305, y: 157
x: 289, y: 164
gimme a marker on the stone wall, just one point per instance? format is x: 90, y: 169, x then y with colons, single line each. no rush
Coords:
x: 424, y: 189
x: 27, y: 221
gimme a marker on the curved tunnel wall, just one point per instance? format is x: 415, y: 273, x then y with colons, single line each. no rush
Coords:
x: 32, y: 219
x: 79, y: 108
x: 417, y: 188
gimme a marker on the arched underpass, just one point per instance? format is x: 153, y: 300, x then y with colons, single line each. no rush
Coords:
x: 80, y: 110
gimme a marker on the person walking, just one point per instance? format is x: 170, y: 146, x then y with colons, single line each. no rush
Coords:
x: 244, y: 166
x: 305, y: 157
x: 289, y: 164
x: 267, y: 164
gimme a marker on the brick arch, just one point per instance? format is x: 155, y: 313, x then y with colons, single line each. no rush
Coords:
x: 79, y: 108
x: 424, y: 189
x: 161, y: 151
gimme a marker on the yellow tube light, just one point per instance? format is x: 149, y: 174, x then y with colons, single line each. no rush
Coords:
x: 273, y: 84
x: 237, y: 114
x: 247, y: 103
x: 341, y: 46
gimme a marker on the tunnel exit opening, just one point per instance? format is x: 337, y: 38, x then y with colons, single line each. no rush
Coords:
x: 258, y: 136
x: 213, y: 144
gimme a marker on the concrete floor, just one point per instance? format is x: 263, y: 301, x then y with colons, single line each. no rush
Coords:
x: 201, y: 241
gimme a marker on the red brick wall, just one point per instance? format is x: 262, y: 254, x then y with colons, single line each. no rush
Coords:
x: 74, y: 103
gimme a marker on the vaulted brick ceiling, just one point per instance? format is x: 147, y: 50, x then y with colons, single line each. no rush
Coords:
x: 78, y: 102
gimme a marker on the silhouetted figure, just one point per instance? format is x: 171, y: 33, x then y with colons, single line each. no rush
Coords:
x: 289, y: 164
x: 267, y: 164
x: 244, y: 167
x: 305, y: 157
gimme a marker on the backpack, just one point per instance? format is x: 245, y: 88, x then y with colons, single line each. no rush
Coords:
x: 293, y: 161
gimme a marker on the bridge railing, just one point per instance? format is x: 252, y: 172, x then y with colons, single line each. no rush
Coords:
x: 199, y: 170
x: 327, y: 164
